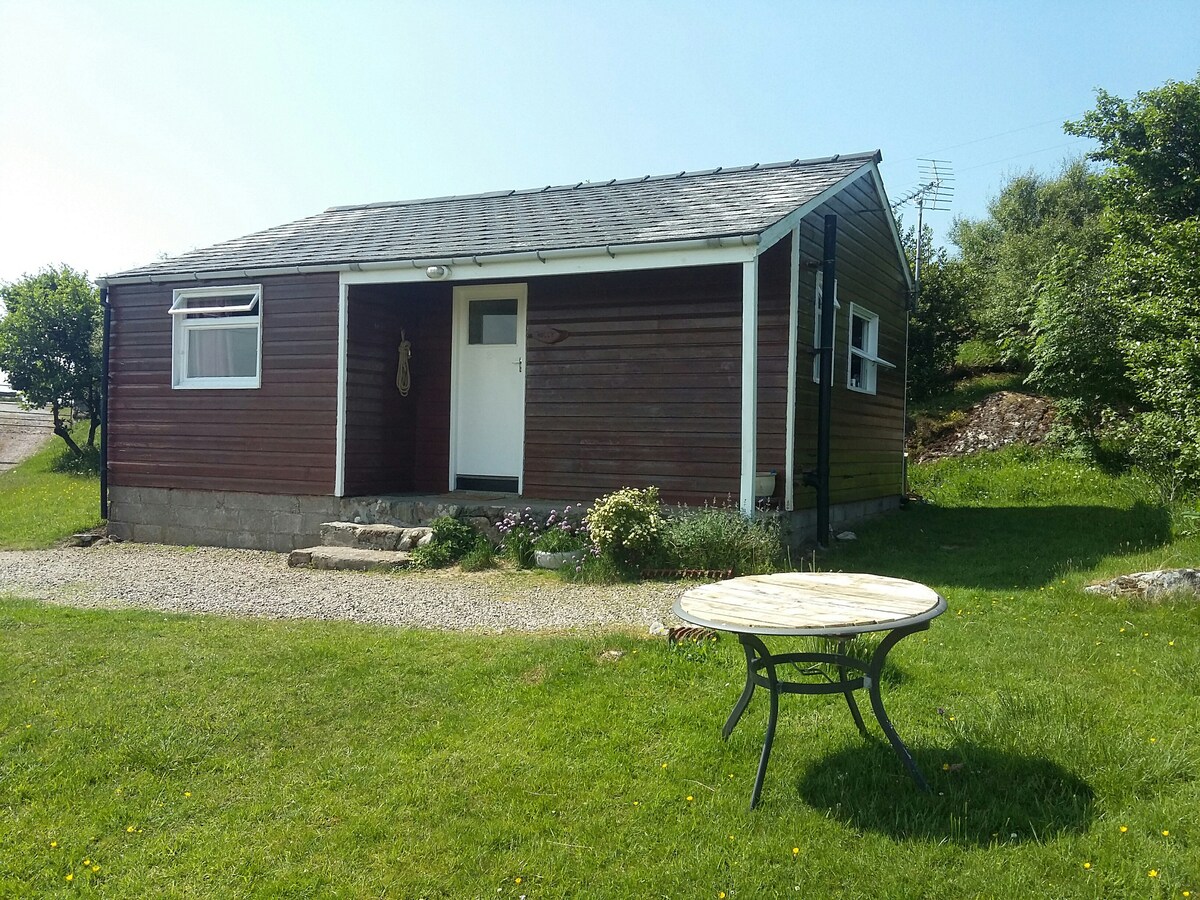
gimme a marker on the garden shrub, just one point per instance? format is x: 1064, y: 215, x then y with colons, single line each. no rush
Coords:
x: 478, y: 558
x: 721, y: 537
x: 452, y: 541
x: 627, y: 526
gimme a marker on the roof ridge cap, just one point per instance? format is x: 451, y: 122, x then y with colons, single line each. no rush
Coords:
x: 874, y: 155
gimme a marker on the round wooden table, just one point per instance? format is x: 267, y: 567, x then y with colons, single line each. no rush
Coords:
x: 832, y: 605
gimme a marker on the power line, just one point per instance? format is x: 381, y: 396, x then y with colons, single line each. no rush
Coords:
x: 988, y: 137
x: 1028, y: 153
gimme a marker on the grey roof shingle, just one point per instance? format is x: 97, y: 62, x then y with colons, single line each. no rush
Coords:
x: 684, y: 206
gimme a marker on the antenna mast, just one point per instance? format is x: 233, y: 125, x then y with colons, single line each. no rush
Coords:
x: 934, y: 192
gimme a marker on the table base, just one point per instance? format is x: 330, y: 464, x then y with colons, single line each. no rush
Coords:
x: 760, y: 660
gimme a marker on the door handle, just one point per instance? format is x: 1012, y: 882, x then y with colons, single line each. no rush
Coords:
x: 520, y: 364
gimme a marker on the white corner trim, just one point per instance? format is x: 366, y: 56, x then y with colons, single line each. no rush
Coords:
x: 749, y: 460
x: 339, y: 477
x: 789, y: 466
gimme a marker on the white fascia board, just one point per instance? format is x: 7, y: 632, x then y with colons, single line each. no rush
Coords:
x: 526, y: 264
x: 781, y: 229
x: 554, y: 263
x: 895, y: 229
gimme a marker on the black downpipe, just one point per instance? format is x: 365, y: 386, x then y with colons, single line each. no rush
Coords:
x: 104, y: 305
x: 825, y: 398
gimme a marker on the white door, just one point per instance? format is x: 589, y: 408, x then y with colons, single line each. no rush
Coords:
x: 487, y: 438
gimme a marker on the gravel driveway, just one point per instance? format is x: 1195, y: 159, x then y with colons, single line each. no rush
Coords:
x: 257, y: 583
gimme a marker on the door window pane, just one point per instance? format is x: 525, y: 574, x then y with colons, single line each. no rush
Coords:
x: 492, y: 322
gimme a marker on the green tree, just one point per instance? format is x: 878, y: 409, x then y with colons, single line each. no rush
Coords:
x: 49, y: 345
x: 1002, y: 256
x: 1152, y: 147
x: 939, y: 321
x: 1118, y: 325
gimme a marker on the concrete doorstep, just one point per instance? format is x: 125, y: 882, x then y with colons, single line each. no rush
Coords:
x: 362, y: 548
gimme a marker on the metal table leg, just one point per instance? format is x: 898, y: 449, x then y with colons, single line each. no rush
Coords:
x: 760, y: 660
x: 872, y: 684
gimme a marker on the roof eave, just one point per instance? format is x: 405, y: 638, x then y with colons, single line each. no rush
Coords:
x: 479, y: 260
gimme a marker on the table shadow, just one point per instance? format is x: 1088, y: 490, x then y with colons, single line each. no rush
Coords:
x: 987, y: 796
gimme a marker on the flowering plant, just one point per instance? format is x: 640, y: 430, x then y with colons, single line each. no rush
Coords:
x: 525, y: 532
x: 627, y: 525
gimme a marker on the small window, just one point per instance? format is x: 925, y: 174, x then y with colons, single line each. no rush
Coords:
x: 492, y: 322
x: 817, y: 326
x: 217, y: 337
x: 862, y: 358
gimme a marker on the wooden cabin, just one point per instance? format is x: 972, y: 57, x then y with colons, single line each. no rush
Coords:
x: 536, y: 344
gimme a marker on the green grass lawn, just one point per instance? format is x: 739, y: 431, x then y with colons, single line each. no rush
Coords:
x: 205, y: 757
x: 39, y: 505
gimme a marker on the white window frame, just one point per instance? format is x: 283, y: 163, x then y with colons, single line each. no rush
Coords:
x: 868, y: 353
x: 247, y: 313
x: 816, y: 368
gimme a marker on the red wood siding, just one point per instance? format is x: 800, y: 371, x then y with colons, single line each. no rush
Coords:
x: 279, y: 438
x: 398, y: 444
x: 643, y: 390
x: 867, y: 440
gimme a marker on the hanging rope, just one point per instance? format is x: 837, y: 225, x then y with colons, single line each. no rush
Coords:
x: 403, y: 375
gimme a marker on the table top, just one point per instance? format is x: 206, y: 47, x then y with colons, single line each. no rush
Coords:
x: 810, y: 603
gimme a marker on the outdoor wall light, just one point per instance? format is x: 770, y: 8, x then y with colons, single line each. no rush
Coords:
x: 438, y: 273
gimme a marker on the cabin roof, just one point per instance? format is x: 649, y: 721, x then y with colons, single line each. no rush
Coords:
x: 684, y: 206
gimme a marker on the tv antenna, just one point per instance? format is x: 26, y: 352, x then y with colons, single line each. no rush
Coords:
x: 934, y: 192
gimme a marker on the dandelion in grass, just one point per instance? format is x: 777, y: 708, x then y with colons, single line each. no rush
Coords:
x: 795, y: 851
x: 720, y: 895
x: 1087, y: 865
x: 130, y: 830
x: 689, y: 796
x: 87, y: 862
x: 1166, y: 833
x: 70, y: 876
x: 1124, y: 828
x: 187, y: 793
x: 54, y: 845
x: 95, y: 868
x: 1153, y: 873
x: 517, y: 880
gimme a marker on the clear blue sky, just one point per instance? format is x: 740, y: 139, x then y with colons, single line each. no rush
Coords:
x: 130, y: 130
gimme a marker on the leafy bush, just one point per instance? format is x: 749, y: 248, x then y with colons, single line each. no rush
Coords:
x: 979, y: 356
x: 478, y: 558
x: 452, y: 541
x: 721, y: 537
x: 459, y: 537
x: 627, y: 526
x: 432, y: 556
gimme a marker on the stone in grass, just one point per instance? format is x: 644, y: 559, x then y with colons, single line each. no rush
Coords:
x: 1150, y: 585
x: 847, y: 536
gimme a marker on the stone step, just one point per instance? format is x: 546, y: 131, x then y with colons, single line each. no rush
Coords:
x: 374, y: 536
x: 353, y: 559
